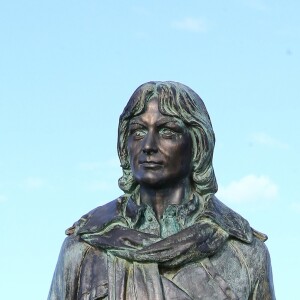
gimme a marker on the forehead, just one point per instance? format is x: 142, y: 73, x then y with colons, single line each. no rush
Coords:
x: 153, y: 115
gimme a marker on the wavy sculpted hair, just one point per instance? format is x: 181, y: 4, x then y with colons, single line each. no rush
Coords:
x: 177, y: 100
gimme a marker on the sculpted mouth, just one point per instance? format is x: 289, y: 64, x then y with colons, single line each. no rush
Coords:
x: 150, y: 163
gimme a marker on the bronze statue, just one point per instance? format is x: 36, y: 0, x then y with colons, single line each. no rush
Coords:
x: 168, y: 236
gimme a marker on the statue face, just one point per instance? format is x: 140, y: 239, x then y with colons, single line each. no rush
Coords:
x: 159, y: 147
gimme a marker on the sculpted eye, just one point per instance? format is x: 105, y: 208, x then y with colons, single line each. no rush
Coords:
x: 167, y: 133
x: 138, y: 133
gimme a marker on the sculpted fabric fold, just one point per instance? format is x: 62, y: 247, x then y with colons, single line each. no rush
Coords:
x: 135, y: 257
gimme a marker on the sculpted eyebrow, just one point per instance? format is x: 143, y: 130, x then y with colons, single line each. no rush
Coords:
x: 163, y: 121
x: 171, y: 120
x: 135, y: 123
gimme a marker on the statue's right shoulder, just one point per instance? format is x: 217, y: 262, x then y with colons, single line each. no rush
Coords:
x: 99, y: 217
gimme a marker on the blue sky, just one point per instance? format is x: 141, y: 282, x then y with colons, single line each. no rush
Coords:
x: 67, y: 69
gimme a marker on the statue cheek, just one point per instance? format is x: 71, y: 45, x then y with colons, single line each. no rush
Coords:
x: 132, y: 148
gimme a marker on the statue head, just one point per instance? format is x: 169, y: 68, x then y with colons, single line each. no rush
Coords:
x: 176, y: 100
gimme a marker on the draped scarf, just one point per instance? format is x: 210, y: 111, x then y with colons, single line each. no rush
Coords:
x: 136, y: 258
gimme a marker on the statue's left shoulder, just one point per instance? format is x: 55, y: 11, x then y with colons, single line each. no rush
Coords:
x: 229, y: 220
x: 247, y: 245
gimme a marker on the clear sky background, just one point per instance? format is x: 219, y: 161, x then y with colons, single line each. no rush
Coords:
x: 67, y: 69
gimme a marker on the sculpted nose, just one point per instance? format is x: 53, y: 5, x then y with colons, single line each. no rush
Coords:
x: 150, y: 144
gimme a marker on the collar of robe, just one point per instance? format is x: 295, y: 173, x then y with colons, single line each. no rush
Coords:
x: 107, y: 227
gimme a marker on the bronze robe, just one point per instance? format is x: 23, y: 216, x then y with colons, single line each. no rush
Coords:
x: 118, y: 251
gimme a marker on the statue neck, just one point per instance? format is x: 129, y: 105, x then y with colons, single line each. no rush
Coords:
x: 160, y: 198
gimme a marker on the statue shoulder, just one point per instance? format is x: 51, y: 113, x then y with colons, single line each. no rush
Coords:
x: 99, y: 217
x: 231, y: 221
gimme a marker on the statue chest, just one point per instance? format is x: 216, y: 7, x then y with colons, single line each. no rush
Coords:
x: 207, y: 279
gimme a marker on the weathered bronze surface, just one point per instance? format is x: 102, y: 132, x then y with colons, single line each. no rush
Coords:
x: 168, y: 236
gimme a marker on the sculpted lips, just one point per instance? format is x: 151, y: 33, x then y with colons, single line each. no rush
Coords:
x: 151, y: 164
